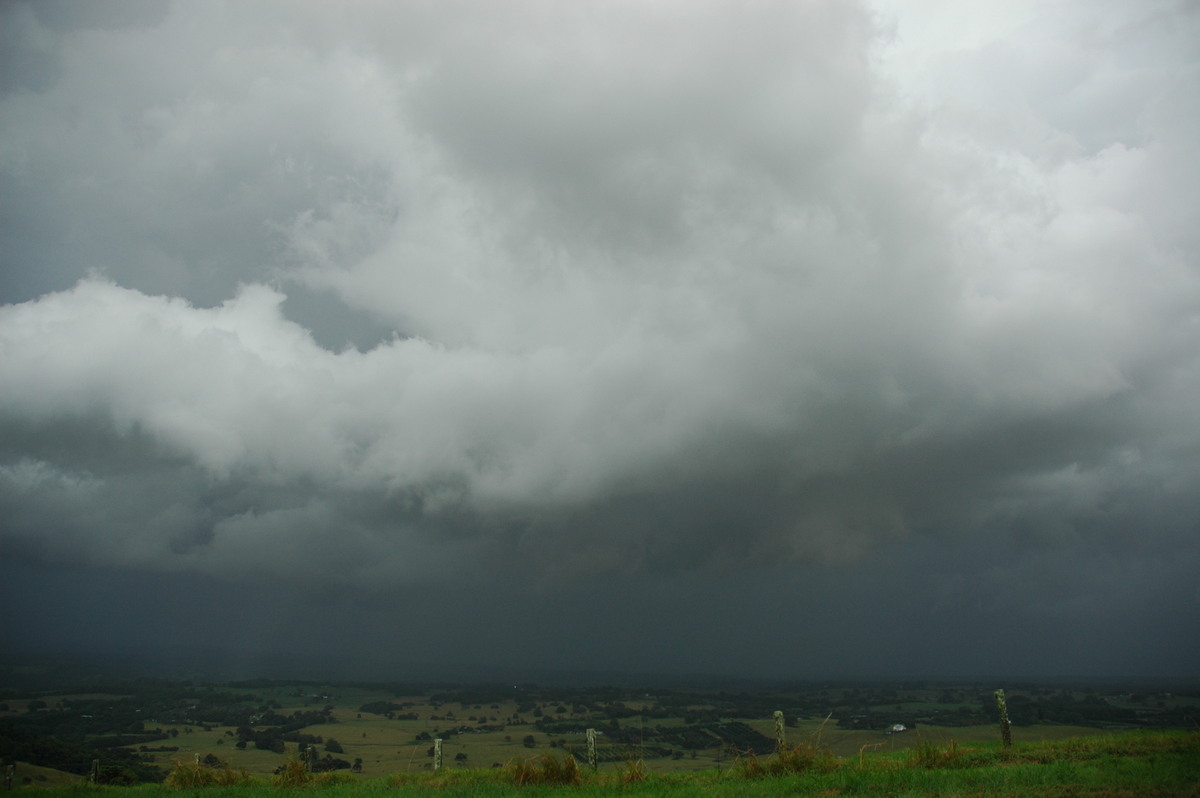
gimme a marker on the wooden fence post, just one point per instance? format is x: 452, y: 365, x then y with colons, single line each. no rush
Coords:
x: 94, y: 776
x: 437, y: 753
x: 1005, y: 732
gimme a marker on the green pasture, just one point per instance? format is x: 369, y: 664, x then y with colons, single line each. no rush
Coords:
x: 390, y: 749
x: 1125, y: 764
x: 388, y: 746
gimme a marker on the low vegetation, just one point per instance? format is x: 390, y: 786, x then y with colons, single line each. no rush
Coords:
x: 247, y: 737
x: 545, y: 769
x: 1124, y: 764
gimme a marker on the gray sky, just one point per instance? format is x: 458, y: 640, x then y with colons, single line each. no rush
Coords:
x: 772, y: 339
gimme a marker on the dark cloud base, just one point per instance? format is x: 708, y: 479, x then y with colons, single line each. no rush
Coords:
x: 912, y: 612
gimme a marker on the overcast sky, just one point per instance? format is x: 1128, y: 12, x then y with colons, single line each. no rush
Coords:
x: 795, y: 339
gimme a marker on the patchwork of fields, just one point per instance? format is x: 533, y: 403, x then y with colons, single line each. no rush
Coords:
x: 376, y: 730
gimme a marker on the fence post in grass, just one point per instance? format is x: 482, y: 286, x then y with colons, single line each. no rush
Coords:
x: 311, y: 757
x: 8, y: 776
x: 779, y: 738
x: 437, y: 753
x: 1005, y: 732
x: 591, y: 749
x: 94, y: 775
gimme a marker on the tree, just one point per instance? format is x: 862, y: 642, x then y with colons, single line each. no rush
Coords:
x: 334, y: 746
x: 270, y: 743
x: 528, y: 741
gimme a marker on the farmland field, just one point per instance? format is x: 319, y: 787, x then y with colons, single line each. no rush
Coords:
x: 139, y: 730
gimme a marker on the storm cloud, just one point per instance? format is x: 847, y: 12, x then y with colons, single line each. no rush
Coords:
x: 551, y: 299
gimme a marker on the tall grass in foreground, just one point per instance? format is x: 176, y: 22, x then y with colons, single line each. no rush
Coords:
x: 191, y: 775
x: 1127, y: 764
x: 788, y: 758
x: 547, y: 769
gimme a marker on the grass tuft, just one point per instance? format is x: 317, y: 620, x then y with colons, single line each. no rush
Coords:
x: 193, y: 775
x: 787, y: 760
x: 189, y: 775
x: 545, y: 769
x: 634, y: 771
x: 292, y: 774
x: 927, y: 755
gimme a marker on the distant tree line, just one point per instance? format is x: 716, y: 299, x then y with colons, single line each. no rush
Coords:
x: 271, y: 730
x: 73, y: 754
x: 389, y: 709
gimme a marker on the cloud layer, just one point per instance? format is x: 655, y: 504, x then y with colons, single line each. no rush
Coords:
x: 382, y: 293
